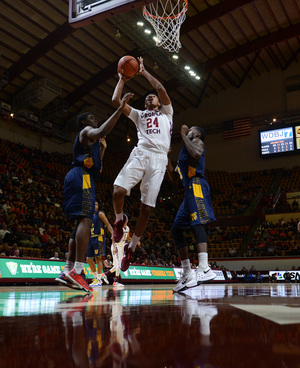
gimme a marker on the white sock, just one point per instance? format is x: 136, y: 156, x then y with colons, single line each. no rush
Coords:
x: 119, y: 216
x: 95, y: 274
x: 68, y: 266
x: 99, y: 276
x: 78, y: 266
x: 135, y: 239
x: 203, y: 260
x: 186, y: 266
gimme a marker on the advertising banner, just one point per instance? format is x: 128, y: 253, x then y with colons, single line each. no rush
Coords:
x: 16, y: 268
x: 150, y: 273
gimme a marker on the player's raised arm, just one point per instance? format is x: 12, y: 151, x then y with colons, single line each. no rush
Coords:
x: 92, y: 134
x: 116, y: 98
x: 160, y: 89
x: 106, y: 222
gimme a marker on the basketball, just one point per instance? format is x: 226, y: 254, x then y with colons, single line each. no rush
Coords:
x: 128, y: 66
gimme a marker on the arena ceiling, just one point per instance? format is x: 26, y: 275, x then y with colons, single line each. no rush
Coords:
x: 225, y: 42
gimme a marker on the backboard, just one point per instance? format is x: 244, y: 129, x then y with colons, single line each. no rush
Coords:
x: 84, y: 12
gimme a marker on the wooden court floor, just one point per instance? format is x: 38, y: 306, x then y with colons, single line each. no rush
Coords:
x: 210, y: 326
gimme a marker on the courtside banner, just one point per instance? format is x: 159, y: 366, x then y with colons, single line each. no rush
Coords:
x: 16, y: 268
x: 159, y: 273
x: 148, y: 273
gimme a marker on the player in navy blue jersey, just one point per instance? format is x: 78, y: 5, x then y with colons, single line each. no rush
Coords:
x: 196, y: 210
x: 79, y: 187
x: 96, y: 246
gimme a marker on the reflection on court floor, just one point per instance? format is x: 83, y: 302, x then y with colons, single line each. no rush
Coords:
x: 211, y: 325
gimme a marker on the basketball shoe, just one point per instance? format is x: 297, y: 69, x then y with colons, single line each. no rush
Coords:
x: 186, y: 281
x: 204, y: 275
x: 96, y: 283
x: 104, y: 278
x: 62, y: 280
x: 125, y: 262
x: 118, y: 229
x: 117, y: 282
x: 79, y: 280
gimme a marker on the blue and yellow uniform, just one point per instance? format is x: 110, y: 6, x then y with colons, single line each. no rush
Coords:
x: 196, y: 208
x: 79, y: 185
x: 96, y: 247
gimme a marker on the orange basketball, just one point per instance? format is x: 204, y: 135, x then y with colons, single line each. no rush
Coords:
x: 128, y: 66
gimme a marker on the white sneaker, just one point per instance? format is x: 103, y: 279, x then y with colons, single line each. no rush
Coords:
x: 104, y: 278
x: 96, y: 283
x: 186, y: 281
x: 118, y: 284
x: 204, y: 275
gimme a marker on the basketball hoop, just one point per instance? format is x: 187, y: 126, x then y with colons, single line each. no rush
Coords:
x: 166, y: 17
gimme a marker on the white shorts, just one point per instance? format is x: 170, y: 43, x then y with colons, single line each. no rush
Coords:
x: 147, y: 167
x: 117, y: 258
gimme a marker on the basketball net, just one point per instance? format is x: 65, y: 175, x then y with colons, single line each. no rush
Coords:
x: 166, y: 17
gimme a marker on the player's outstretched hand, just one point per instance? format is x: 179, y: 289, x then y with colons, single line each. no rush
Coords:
x: 124, y: 77
x: 184, y: 130
x: 103, y: 143
x: 125, y: 100
x: 142, y: 67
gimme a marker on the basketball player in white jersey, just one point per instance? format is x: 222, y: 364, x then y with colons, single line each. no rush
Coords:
x: 147, y: 162
x: 118, y: 252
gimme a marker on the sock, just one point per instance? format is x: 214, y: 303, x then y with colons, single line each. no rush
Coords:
x: 68, y: 266
x: 95, y: 274
x: 78, y: 266
x: 186, y: 266
x: 135, y: 239
x: 119, y: 216
x: 99, y: 276
x: 203, y: 260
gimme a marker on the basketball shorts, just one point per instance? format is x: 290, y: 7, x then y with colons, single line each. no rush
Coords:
x: 79, y: 193
x: 95, y: 248
x: 145, y: 167
x: 117, y: 258
x: 196, y: 208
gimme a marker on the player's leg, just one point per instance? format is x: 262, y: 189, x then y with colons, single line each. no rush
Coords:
x: 150, y: 187
x: 128, y: 177
x: 204, y: 272
x: 200, y: 204
x: 82, y: 239
x: 62, y: 279
x: 188, y: 278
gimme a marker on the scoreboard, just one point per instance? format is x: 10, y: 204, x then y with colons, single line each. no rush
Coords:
x: 284, y: 140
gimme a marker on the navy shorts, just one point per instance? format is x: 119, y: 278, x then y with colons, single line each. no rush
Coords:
x: 95, y: 247
x: 196, y: 208
x: 79, y: 193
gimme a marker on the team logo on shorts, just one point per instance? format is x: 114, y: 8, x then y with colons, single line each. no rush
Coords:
x: 193, y: 216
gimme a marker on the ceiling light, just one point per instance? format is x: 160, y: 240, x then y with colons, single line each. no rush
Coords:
x: 197, y: 77
x: 187, y: 67
x: 155, y: 38
x: 147, y: 31
x: 140, y: 24
x: 175, y: 57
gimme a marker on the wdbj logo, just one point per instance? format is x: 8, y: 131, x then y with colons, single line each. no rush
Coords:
x: 285, y: 133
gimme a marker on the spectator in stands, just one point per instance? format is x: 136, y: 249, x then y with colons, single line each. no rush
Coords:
x: 248, y: 277
x: 3, y: 231
x: 258, y: 277
x: 56, y: 257
x: 295, y: 205
x: 288, y: 277
x: 16, y: 253
x: 232, y: 251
